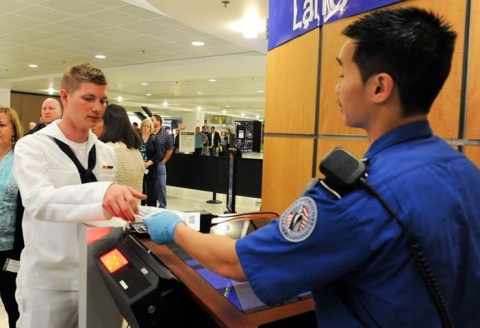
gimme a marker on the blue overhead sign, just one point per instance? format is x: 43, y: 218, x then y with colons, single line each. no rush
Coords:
x: 291, y: 18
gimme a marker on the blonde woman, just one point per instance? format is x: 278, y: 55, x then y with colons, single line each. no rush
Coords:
x: 11, y: 240
x: 150, y: 157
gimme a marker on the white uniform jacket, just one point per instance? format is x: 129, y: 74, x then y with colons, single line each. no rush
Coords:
x: 55, y: 203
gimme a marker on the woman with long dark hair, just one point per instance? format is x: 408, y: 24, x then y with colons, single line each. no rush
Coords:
x: 120, y: 135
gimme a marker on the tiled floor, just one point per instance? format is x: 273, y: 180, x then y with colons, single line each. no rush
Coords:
x: 185, y: 200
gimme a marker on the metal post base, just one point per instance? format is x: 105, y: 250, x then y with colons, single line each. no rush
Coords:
x: 214, y: 201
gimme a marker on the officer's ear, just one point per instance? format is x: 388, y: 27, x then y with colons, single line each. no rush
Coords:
x: 381, y: 86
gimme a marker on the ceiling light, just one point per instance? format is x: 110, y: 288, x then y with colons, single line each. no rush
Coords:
x: 199, y: 93
x: 224, y: 111
x: 148, y: 94
x: 250, y: 25
x: 100, y: 56
x: 258, y: 116
x: 33, y: 65
x: 119, y: 98
x: 165, y: 103
x: 51, y: 91
x: 199, y: 108
x: 243, y: 114
x: 198, y: 43
x: 144, y: 83
x: 250, y: 34
x: 212, y: 80
x: 260, y: 91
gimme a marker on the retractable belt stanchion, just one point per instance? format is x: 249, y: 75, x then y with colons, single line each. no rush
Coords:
x: 214, y: 200
x: 232, y: 180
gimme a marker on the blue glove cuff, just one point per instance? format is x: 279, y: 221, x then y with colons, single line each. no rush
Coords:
x: 161, y: 226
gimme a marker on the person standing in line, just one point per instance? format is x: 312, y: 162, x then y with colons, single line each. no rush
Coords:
x: 200, y: 138
x: 11, y: 237
x: 157, y: 124
x: 357, y: 249
x: 176, y: 140
x: 125, y: 141
x: 164, y: 146
x: 205, y: 150
x: 51, y: 111
x: 136, y: 128
x: 214, y: 141
x: 150, y: 158
x: 230, y: 139
x: 65, y: 176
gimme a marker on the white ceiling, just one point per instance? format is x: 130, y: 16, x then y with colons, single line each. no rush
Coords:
x: 144, y: 41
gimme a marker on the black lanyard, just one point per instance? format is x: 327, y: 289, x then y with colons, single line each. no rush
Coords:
x: 86, y: 175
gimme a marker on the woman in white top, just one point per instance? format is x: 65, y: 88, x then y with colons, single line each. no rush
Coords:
x: 120, y: 135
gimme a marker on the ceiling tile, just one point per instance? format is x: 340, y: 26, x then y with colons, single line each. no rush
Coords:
x: 139, y: 44
x: 43, y: 13
x: 76, y: 8
x: 21, y: 22
x: 113, y: 17
x: 11, y: 6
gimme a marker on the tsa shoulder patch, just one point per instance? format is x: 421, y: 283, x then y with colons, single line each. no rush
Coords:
x: 298, y: 221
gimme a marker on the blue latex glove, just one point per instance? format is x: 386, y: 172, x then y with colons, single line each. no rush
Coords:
x: 161, y: 226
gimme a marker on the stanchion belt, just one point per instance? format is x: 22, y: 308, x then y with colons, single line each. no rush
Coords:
x: 86, y: 175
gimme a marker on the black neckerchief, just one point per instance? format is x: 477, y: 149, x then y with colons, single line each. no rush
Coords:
x: 86, y: 175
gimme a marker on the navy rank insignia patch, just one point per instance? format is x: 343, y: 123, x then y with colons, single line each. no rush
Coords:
x: 298, y: 221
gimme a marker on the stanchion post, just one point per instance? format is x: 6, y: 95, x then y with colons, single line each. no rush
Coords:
x: 232, y: 179
x: 214, y: 199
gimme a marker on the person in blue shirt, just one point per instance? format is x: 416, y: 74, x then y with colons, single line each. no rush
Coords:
x: 164, y: 148
x: 11, y: 236
x: 348, y: 248
x: 200, y: 138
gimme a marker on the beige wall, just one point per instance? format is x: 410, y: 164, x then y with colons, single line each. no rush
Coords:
x: 303, y: 121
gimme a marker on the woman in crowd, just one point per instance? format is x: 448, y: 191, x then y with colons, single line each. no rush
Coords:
x: 120, y: 135
x: 150, y: 157
x: 11, y: 238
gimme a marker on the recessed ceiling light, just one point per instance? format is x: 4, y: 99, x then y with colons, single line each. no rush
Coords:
x: 224, y: 111
x: 212, y: 80
x: 119, y: 98
x: 33, y: 65
x: 199, y: 108
x: 199, y: 93
x: 248, y: 34
x: 260, y: 91
x: 165, y: 103
x: 250, y: 25
x: 51, y: 91
x: 148, y: 94
x: 100, y: 56
x: 243, y: 114
x: 144, y: 83
x: 198, y: 43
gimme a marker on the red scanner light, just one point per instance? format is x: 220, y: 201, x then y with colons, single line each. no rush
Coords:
x: 113, y: 260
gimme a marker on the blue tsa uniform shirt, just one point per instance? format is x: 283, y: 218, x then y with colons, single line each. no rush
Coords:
x: 354, y: 257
